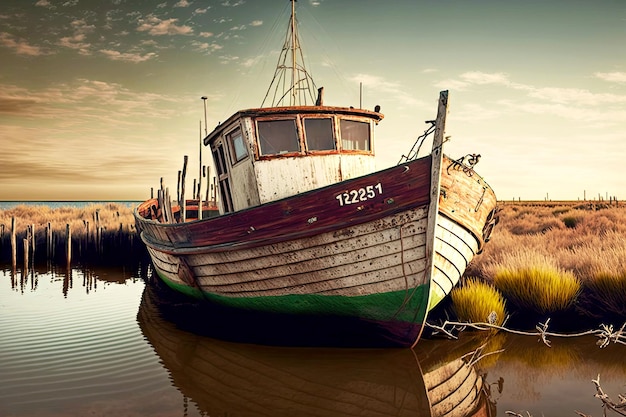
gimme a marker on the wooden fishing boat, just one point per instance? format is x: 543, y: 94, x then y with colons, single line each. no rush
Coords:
x: 225, y: 378
x: 308, y: 229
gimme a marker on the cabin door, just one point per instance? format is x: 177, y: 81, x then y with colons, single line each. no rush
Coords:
x: 223, y: 175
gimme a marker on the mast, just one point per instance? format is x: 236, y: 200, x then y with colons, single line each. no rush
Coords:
x: 301, y: 90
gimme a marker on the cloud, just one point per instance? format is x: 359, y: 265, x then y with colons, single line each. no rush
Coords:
x: 10, y: 104
x: 227, y: 59
x: 381, y: 85
x: 127, y: 56
x: 471, y: 78
x: 76, y: 42
x: 614, y: 77
x: 205, y: 34
x: 20, y: 46
x: 233, y: 4
x: 250, y: 62
x: 574, y: 104
x: 182, y: 3
x: 256, y: 23
x: 44, y: 3
x: 206, y: 47
x: 155, y: 26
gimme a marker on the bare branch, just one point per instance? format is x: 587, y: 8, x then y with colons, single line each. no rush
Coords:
x: 605, y: 334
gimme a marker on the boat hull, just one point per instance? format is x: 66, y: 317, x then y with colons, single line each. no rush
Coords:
x: 358, y: 256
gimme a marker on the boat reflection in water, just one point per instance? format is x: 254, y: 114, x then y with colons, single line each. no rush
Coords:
x: 238, y: 379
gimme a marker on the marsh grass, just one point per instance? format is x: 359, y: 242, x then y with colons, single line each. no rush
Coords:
x: 476, y: 301
x: 605, y: 294
x: 541, y: 288
x: 547, y: 256
x: 102, y: 232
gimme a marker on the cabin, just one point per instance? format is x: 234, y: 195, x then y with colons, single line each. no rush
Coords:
x: 266, y: 154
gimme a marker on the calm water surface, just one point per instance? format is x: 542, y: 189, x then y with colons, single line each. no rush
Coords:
x: 92, y: 343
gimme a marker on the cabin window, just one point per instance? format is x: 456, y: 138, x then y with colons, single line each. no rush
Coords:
x: 319, y: 134
x: 355, y: 135
x: 278, y: 136
x: 237, y: 145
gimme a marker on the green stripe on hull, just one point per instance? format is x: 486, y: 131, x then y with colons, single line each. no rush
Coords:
x: 399, y: 306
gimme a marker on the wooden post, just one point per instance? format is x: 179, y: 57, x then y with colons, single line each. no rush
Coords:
x: 69, y: 244
x: 160, y: 205
x: 180, y: 173
x: 26, y: 245
x: 13, y: 245
x: 49, y: 251
x: 199, y: 217
x: 164, y: 218
x: 33, y: 240
x: 208, y: 182
x: 200, y: 168
x: 182, y: 203
x: 98, y: 238
x: 88, y: 237
x: 214, y: 190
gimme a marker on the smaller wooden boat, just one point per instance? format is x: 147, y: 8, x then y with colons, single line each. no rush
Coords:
x: 308, y: 229
x: 235, y: 379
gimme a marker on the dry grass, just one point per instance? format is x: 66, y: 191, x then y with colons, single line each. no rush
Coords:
x: 533, y: 282
x: 547, y: 244
x: 103, y: 233
x: 108, y: 215
x: 476, y: 300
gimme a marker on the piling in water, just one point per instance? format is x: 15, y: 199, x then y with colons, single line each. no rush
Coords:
x: 114, y: 242
x: 68, y: 234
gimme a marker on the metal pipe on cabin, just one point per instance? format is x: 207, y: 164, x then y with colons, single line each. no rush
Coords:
x: 360, y: 95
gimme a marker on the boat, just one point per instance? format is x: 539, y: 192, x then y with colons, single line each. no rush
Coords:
x: 217, y: 377
x: 307, y: 236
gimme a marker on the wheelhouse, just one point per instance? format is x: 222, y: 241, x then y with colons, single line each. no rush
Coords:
x: 266, y: 154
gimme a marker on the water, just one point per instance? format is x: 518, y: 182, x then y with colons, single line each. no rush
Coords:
x: 92, y: 343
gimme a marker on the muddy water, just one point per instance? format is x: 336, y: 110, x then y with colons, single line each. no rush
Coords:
x: 92, y: 342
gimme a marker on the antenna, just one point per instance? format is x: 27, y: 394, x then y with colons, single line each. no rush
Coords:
x: 302, y: 87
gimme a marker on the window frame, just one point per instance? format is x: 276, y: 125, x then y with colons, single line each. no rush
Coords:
x: 370, y: 134
x: 298, y: 130
x: 333, y: 130
x: 229, y: 136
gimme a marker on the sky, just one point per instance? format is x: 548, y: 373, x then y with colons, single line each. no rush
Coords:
x: 99, y: 99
